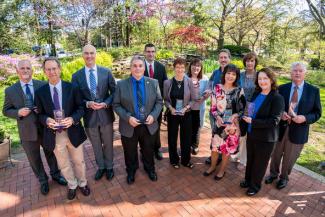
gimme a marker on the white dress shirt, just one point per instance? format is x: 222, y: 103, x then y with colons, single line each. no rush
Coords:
x: 153, y: 66
x: 87, y: 75
x: 30, y: 85
x: 59, y: 89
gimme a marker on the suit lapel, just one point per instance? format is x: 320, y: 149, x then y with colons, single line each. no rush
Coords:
x: 130, y: 87
x: 20, y: 91
x: 303, y: 97
x: 84, y: 83
x: 48, y: 97
x: 64, y: 95
x: 147, y: 90
x: 155, y: 70
x: 101, y: 77
x: 146, y: 73
x: 287, y: 95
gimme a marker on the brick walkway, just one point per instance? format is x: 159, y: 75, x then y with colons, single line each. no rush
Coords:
x: 182, y: 192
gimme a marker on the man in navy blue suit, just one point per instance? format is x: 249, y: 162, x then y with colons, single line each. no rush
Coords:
x: 302, y: 108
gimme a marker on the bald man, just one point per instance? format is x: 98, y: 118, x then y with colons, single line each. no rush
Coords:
x: 19, y: 105
x: 97, y: 86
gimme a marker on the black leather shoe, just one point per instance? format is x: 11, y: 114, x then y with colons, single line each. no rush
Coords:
x: 251, y: 192
x: 99, y: 174
x: 282, y: 183
x: 85, y: 190
x: 158, y: 155
x: 217, y: 178
x: 109, y: 174
x: 45, y: 188
x: 72, y: 194
x: 206, y: 173
x: 153, y: 176
x: 244, y: 184
x: 60, y: 180
x: 130, y: 178
x: 270, y: 179
x: 208, y: 161
x: 195, y: 151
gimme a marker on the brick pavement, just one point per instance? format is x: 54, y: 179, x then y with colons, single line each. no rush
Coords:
x: 182, y: 192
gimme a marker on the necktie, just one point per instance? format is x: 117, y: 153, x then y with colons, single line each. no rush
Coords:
x: 92, y: 81
x: 139, y: 96
x: 294, y: 98
x: 28, y: 92
x: 150, y: 71
x: 56, y: 100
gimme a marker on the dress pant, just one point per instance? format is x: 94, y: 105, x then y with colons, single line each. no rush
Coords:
x: 288, y: 152
x: 184, y: 123
x: 146, y: 141
x: 33, y: 152
x: 258, y: 156
x: 101, y: 138
x: 157, y: 136
x: 71, y: 161
x: 195, y: 128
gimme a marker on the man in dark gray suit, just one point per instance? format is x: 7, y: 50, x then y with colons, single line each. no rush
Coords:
x: 19, y: 105
x: 138, y: 103
x: 97, y: 86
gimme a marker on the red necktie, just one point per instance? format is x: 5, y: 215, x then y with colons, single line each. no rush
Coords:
x: 150, y: 71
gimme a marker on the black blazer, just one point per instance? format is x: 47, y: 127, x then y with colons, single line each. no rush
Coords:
x: 72, y: 106
x: 265, y: 126
x: 159, y: 74
x: 309, y: 106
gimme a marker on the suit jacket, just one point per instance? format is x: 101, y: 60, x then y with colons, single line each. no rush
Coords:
x: 105, y: 91
x: 191, y: 94
x: 72, y: 106
x: 159, y: 74
x: 124, y: 104
x: 265, y: 125
x: 28, y: 127
x: 309, y: 106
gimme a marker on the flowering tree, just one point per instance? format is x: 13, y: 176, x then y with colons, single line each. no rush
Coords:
x: 189, y: 35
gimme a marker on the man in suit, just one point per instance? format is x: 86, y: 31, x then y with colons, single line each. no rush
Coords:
x: 60, y: 108
x: 155, y: 70
x: 19, y: 105
x: 302, y: 108
x: 97, y: 87
x: 138, y: 103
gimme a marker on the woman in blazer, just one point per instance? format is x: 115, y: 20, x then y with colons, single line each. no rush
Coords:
x: 179, y: 96
x: 262, y: 129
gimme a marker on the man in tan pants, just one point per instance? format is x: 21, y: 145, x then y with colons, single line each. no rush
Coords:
x: 60, y: 109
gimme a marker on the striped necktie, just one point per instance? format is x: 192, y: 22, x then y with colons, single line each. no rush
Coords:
x: 92, y: 81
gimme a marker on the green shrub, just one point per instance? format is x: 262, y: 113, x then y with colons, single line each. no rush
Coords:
x: 164, y: 54
x: 209, y: 65
x: 316, y: 77
x: 236, y: 50
x: 2, y: 134
x: 10, y: 80
x: 239, y: 63
x: 315, y: 63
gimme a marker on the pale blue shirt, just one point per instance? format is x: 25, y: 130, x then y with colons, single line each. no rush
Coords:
x: 30, y: 85
x: 300, y: 89
x: 59, y: 88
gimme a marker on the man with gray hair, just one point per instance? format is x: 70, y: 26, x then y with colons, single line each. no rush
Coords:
x: 302, y: 108
x: 138, y: 103
x: 19, y: 105
x: 97, y: 86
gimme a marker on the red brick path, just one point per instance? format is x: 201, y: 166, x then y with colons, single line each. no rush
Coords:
x: 182, y: 192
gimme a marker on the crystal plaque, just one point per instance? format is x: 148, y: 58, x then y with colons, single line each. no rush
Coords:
x: 142, y: 115
x: 292, y: 108
x: 249, y: 109
x: 58, y: 117
x: 29, y: 103
x: 179, y: 107
x: 227, y: 116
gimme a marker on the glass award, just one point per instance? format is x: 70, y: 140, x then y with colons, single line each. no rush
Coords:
x: 227, y: 116
x: 28, y: 101
x: 249, y: 109
x: 179, y: 107
x: 58, y: 117
x: 142, y: 115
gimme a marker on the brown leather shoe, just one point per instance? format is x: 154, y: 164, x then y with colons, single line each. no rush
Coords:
x: 85, y: 190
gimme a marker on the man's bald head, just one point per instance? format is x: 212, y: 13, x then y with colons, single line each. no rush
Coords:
x: 89, y: 55
x: 24, y: 70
